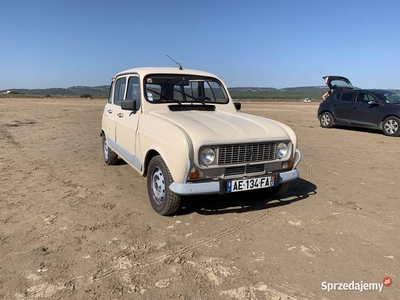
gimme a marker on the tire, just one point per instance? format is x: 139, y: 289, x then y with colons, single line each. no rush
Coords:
x: 326, y: 120
x: 280, y: 189
x: 110, y: 157
x: 391, y: 126
x: 162, y: 199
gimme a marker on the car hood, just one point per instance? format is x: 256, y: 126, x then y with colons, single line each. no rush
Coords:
x: 225, y: 127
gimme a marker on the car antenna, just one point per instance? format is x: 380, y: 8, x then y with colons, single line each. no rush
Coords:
x: 178, y: 64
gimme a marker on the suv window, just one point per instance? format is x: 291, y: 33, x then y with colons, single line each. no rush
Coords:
x: 119, y: 90
x: 347, y: 97
x: 364, y: 97
x: 389, y: 97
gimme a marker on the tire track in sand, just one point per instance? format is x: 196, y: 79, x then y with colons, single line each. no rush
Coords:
x: 147, y: 262
x: 150, y: 261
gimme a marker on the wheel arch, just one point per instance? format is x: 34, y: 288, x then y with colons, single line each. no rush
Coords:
x: 149, y: 155
x: 326, y: 111
x: 385, y: 117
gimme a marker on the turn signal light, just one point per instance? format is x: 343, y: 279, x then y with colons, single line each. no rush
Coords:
x: 288, y: 165
x: 194, y: 175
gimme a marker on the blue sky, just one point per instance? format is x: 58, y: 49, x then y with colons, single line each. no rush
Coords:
x: 266, y: 43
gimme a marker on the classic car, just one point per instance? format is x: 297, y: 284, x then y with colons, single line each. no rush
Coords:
x: 181, y: 130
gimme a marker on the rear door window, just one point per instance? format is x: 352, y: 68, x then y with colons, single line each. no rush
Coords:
x: 347, y: 97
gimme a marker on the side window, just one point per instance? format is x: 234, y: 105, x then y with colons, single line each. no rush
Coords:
x: 110, y: 92
x: 119, y: 90
x: 364, y: 98
x: 337, y: 96
x: 347, y: 97
x: 134, y: 90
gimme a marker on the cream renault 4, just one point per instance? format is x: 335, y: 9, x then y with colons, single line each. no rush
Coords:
x: 182, y: 131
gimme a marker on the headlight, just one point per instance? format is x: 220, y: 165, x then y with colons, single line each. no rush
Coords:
x: 207, y: 156
x: 282, y: 150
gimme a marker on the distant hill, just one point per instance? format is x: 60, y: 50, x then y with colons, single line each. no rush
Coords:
x: 236, y: 92
x: 272, y: 93
x: 290, y: 93
x: 74, y: 91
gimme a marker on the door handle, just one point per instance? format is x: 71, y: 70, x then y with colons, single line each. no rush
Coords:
x: 109, y: 111
x: 120, y: 115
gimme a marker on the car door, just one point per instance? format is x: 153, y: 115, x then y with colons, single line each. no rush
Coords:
x: 366, y: 111
x: 109, y: 119
x: 127, y: 125
x: 342, y: 106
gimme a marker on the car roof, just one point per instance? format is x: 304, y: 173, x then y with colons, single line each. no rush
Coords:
x: 143, y: 71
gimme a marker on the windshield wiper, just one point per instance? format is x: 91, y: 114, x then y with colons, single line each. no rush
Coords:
x: 201, y: 99
x: 165, y: 96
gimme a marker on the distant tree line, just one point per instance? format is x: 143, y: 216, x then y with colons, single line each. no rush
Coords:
x: 237, y: 93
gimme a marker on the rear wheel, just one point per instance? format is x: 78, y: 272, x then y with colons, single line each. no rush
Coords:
x: 391, y: 126
x: 110, y: 157
x: 326, y: 120
x: 162, y: 199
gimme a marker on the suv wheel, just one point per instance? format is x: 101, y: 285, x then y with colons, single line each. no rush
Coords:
x: 326, y: 120
x: 162, y: 199
x: 391, y: 126
x: 110, y: 157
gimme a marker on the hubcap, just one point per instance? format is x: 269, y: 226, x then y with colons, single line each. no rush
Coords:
x: 105, y: 150
x: 158, y: 185
x: 391, y: 126
x: 325, y: 120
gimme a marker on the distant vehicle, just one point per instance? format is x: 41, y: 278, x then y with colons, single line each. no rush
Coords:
x: 367, y: 108
x: 307, y: 100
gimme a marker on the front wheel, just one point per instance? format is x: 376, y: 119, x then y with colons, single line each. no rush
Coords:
x: 391, y: 126
x: 162, y: 199
x: 280, y: 189
x: 326, y: 120
x: 110, y: 157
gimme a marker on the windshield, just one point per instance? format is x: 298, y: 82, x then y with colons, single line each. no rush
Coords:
x: 167, y: 88
x: 390, y: 97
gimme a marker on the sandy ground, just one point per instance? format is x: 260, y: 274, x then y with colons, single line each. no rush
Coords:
x: 72, y: 227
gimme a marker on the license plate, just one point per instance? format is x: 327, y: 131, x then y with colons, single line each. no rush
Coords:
x: 249, y: 184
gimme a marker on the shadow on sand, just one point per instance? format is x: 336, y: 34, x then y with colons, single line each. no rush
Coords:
x: 245, y: 201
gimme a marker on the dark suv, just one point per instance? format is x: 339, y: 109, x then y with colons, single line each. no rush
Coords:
x: 372, y: 108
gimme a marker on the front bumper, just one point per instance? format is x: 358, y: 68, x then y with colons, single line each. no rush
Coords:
x: 214, y: 187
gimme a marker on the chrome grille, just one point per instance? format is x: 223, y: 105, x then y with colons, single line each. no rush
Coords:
x: 246, y: 153
x: 234, y: 171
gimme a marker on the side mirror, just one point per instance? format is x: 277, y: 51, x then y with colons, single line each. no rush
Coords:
x: 129, y: 104
x: 238, y: 105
